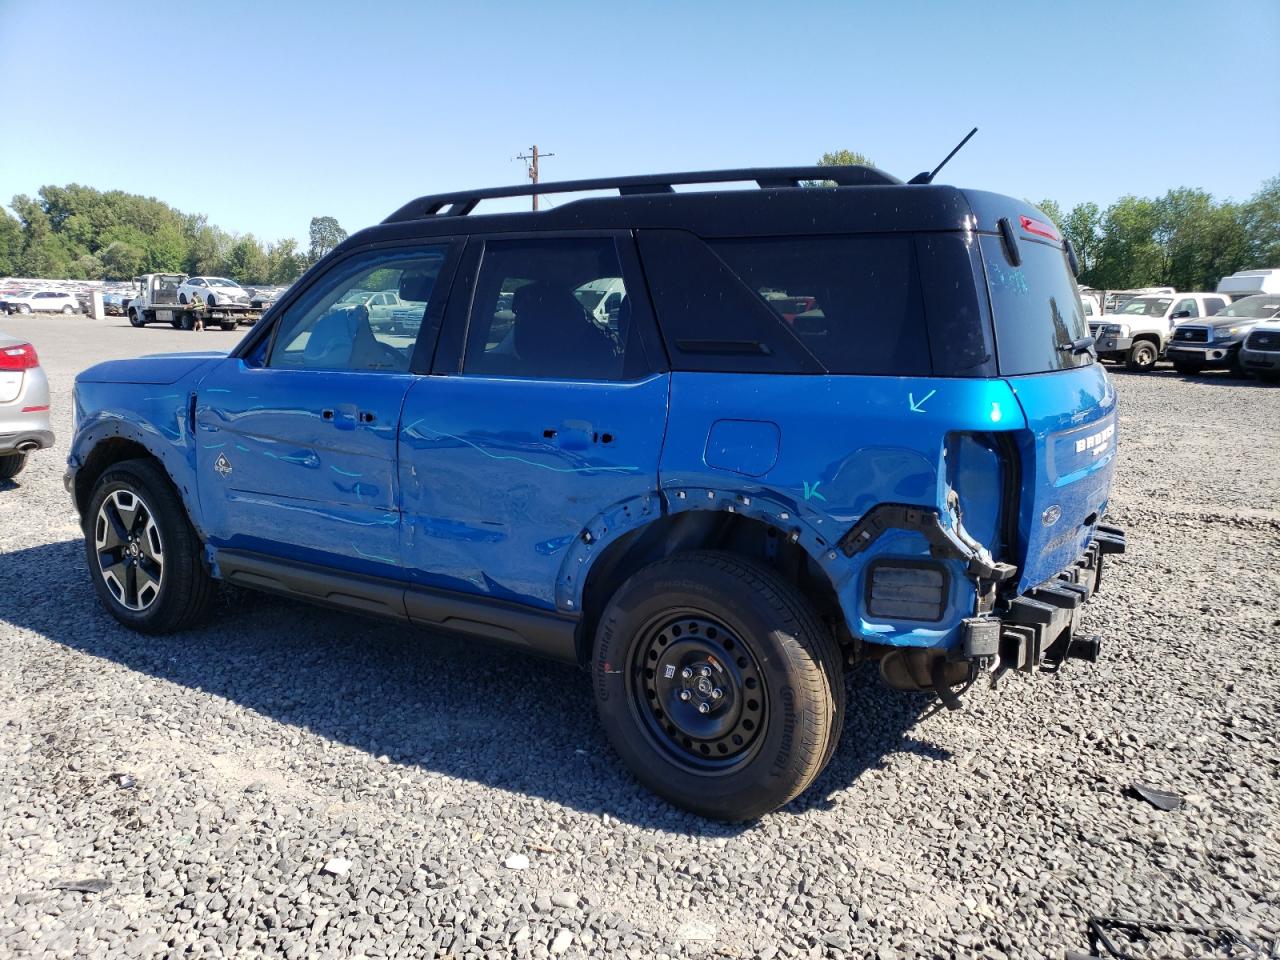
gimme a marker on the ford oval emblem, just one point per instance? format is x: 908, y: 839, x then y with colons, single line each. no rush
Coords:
x: 1051, y: 515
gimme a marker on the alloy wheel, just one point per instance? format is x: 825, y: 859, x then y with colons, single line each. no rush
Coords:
x: 129, y: 549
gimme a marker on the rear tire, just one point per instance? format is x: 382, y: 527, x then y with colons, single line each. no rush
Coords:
x: 24, y: 308
x: 11, y: 465
x: 228, y: 324
x: 742, y: 632
x: 1142, y: 356
x: 144, y: 556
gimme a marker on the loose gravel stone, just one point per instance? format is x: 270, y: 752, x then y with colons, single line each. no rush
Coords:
x: 254, y: 746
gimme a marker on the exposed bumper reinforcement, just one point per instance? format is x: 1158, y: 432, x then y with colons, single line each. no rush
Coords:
x: 1040, y: 629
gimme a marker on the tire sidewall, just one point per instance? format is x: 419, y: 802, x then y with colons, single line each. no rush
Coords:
x: 779, y: 762
x: 1139, y: 364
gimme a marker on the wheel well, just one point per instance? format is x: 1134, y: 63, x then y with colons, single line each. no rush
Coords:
x: 705, y: 530
x: 1148, y: 338
x: 104, y: 455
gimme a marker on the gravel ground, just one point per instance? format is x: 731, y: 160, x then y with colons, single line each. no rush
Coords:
x: 288, y: 782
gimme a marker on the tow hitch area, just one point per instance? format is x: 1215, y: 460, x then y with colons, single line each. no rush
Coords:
x: 1039, y: 630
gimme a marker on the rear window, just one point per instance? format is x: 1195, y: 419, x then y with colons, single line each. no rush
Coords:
x: 1036, y: 308
x: 874, y: 304
x: 853, y: 302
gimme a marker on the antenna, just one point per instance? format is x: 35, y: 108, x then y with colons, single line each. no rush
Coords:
x: 925, y: 177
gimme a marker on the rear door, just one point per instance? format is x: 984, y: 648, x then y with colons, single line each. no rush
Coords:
x: 1068, y: 449
x: 296, y: 443
x: 538, y: 418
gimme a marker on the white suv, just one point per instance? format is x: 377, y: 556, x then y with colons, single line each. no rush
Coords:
x: 41, y: 301
x: 1139, y: 331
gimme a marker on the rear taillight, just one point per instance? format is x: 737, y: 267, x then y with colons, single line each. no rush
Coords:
x: 21, y: 357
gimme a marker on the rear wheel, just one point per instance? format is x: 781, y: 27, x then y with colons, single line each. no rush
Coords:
x: 11, y: 465
x: 67, y: 311
x: 143, y: 555
x: 24, y: 308
x: 211, y: 301
x: 717, y: 684
x: 228, y: 324
x: 1142, y: 356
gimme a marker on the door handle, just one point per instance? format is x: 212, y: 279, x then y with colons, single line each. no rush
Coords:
x: 367, y: 416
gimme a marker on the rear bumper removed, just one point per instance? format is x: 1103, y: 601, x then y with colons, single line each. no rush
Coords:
x: 1040, y: 629
x: 1036, y: 631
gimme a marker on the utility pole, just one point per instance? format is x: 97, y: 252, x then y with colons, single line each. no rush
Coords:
x: 531, y: 161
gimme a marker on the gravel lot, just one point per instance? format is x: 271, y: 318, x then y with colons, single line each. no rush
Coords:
x: 290, y: 782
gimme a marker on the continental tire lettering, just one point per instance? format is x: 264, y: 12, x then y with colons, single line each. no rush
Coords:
x: 603, y: 648
x: 788, y: 731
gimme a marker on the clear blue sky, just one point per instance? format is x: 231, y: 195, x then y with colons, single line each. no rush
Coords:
x: 350, y: 109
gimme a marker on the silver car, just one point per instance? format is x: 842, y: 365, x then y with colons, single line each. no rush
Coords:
x: 24, y: 406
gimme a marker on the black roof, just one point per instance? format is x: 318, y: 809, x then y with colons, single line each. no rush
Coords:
x: 865, y: 199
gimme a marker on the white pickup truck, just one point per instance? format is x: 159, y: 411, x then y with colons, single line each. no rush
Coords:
x: 1139, y: 332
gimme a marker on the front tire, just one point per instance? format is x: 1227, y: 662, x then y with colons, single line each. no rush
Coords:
x: 67, y: 311
x: 11, y: 465
x: 144, y: 556
x: 135, y: 318
x: 717, y: 684
x: 1142, y: 357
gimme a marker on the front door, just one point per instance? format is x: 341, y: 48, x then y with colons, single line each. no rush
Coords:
x: 296, y: 443
x: 552, y: 418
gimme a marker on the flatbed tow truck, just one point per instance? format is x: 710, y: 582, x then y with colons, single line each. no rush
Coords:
x: 157, y: 302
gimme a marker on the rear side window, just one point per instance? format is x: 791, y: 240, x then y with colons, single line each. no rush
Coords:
x: 552, y: 309
x: 1036, y: 308
x: 853, y: 303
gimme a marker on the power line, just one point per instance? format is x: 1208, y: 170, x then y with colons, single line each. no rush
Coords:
x: 531, y: 163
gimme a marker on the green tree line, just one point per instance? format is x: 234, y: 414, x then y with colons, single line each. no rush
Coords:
x: 1184, y: 239
x: 79, y: 233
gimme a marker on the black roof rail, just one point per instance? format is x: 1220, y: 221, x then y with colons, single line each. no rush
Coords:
x: 464, y: 201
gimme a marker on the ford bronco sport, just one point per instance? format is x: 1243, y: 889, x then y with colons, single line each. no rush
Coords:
x: 819, y: 425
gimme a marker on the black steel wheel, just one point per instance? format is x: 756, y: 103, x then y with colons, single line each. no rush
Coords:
x: 717, y: 684
x: 144, y: 556
x: 698, y: 687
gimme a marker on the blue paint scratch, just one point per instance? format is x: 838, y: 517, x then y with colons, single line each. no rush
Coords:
x: 345, y: 473
x: 371, y: 556
x: 514, y: 459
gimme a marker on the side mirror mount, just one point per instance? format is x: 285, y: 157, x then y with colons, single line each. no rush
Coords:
x: 1181, y: 315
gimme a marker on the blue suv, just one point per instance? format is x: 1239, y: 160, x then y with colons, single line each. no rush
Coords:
x: 715, y: 446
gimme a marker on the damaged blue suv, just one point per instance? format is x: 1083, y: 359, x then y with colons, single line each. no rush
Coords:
x: 715, y: 446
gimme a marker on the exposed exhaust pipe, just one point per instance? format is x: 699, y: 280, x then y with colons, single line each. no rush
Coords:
x: 26, y: 446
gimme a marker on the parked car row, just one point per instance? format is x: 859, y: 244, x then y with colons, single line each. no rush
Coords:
x: 1194, y: 331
